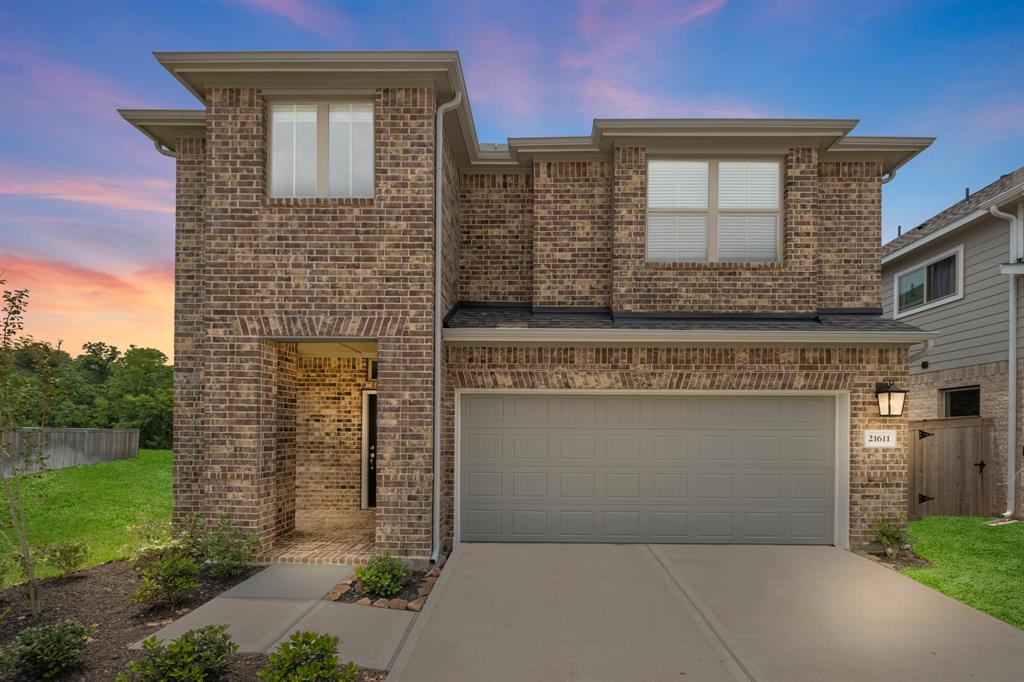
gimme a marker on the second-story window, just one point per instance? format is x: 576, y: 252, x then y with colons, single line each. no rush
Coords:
x: 714, y: 210
x: 322, y: 150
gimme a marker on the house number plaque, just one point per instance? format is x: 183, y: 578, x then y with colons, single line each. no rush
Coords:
x: 880, y: 438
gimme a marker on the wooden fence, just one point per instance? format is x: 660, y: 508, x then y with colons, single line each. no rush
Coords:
x: 951, y: 467
x: 72, y: 447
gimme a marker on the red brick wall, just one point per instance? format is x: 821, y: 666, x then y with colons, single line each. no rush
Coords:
x: 189, y: 291
x: 497, y: 240
x: 287, y: 268
x: 572, y: 234
x: 877, y: 477
x: 329, y: 434
x: 849, y: 247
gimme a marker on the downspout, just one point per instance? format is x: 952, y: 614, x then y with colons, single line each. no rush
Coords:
x: 438, y: 313
x: 1011, y: 397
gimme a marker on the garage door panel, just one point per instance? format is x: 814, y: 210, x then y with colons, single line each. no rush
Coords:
x: 646, y: 468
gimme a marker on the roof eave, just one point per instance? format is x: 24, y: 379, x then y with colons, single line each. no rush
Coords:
x: 1013, y: 193
x: 165, y: 126
x: 463, y: 336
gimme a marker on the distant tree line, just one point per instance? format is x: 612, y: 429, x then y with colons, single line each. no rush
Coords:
x: 101, y: 388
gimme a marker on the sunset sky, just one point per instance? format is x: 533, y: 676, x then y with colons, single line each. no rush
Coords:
x: 87, y: 204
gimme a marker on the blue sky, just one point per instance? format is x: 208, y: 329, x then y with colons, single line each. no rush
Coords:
x: 86, y: 204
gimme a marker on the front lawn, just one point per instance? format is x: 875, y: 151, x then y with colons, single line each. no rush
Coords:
x: 97, y: 503
x: 982, y: 566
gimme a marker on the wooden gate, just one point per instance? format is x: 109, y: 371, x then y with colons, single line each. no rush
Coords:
x: 950, y: 467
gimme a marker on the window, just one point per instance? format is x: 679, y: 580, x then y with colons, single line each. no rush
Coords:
x: 321, y: 150
x: 932, y: 283
x: 717, y: 211
x: 962, y: 402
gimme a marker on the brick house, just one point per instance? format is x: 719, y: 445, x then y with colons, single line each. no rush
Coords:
x: 956, y: 275
x: 664, y: 331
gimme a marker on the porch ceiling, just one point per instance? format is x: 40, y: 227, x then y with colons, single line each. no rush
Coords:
x: 338, y: 349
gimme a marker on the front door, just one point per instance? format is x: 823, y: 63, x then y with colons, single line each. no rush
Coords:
x: 371, y: 451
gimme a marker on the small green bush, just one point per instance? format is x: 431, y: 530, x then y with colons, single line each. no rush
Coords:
x: 46, y: 651
x: 892, y: 537
x: 222, y: 551
x: 383, y: 575
x: 166, y: 576
x: 195, y: 656
x: 66, y: 556
x: 307, y: 657
x: 225, y: 552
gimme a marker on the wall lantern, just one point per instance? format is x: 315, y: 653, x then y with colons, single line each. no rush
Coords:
x: 890, y: 400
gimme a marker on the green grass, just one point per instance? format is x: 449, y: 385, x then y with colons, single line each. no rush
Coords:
x: 97, y: 503
x: 982, y: 566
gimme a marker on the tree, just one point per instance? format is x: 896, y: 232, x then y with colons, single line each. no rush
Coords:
x: 15, y: 353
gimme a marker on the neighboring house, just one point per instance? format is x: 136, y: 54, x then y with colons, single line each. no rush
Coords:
x: 956, y: 274
x: 666, y: 330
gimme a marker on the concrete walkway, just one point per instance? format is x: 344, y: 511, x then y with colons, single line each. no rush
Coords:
x: 266, y: 609
x: 507, y: 613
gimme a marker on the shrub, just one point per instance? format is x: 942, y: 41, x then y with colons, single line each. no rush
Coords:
x: 225, y: 552
x: 195, y: 656
x: 166, y: 576
x: 384, y: 575
x: 307, y: 657
x: 892, y: 537
x: 66, y: 556
x: 10, y: 569
x: 46, y: 651
x: 221, y: 552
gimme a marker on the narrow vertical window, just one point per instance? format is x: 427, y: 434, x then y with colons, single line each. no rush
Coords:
x: 748, y: 211
x: 677, y: 211
x: 350, y: 169
x: 294, y: 153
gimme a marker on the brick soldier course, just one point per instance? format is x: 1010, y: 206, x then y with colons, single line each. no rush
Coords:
x: 263, y: 433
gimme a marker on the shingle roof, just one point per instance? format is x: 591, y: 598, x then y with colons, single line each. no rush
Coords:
x: 956, y: 211
x: 472, y: 317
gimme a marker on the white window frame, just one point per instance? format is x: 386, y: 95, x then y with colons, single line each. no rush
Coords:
x: 958, y: 251
x: 323, y: 146
x: 713, y: 211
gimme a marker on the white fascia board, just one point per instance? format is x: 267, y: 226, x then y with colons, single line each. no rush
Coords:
x: 981, y: 212
x: 681, y: 336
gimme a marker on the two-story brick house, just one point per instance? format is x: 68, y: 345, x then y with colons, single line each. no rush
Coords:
x: 664, y: 331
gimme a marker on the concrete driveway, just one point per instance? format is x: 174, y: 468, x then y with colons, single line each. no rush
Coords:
x: 595, y: 613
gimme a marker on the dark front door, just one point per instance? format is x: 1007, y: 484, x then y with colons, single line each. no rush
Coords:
x: 371, y: 450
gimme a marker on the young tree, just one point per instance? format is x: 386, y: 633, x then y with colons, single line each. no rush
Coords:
x: 30, y: 451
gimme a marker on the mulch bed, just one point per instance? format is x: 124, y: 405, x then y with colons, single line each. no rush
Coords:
x: 102, y: 596
x: 408, y: 593
x: 904, y: 560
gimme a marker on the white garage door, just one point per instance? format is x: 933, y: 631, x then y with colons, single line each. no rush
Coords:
x: 599, y: 468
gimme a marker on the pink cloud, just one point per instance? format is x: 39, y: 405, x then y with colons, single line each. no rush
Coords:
x: 606, y: 99
x: 126, y: 194
x: 76, y: 304
x: 32, y: 80
x: 610, y: 31
x: 503, y: 72
x: 1000, y: 120
x: 312, y: 16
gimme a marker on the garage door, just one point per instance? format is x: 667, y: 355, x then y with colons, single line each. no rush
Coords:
x: 588, y: 468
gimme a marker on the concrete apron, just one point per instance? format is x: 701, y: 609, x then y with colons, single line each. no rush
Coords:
x: 623, y: 612
x: 595, y: 613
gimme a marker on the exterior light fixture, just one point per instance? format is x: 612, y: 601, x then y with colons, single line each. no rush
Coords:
x: 890, y: 400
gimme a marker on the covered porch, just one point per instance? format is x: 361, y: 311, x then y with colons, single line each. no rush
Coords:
x: 326, y: 454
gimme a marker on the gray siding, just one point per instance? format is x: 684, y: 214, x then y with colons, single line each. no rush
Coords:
x: 974, y: 329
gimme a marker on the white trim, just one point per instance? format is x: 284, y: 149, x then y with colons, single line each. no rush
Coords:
x: 841, y: 510
x: 969, y: 218
x: 956, y: 250
x: 463, y: 335
x: 364, y: 463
